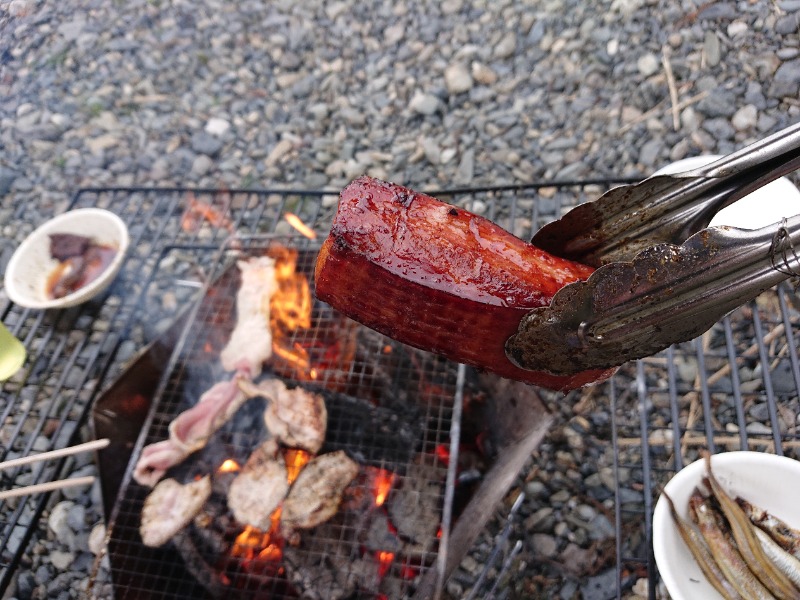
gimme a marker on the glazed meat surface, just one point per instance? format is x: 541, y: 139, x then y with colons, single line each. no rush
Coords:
x: 439, y: 278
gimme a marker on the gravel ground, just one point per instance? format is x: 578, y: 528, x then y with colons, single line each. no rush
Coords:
x: 312, y: 94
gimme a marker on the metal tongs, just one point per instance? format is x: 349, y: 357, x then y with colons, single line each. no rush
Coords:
x: 654, y: 287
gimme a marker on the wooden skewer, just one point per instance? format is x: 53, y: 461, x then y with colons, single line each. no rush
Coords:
x: 26, y: 460
x: 673, y: 90
x: 47, y: 487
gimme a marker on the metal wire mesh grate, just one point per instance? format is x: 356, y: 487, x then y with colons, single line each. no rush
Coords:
x: 71, y: 353
x: 736, y: 387
x: 395, y: 418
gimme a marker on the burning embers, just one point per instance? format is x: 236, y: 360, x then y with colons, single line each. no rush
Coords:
x: 358, y: 549
x: 292, y: 487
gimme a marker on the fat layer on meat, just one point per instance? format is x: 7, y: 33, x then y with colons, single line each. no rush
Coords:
x: 260, y: 487
x: 296, y: 417
x: 317, y: 493
x: 251, y: 341
x: 170, y: 507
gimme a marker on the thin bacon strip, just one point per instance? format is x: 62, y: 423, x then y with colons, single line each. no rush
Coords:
x: 190, y: 431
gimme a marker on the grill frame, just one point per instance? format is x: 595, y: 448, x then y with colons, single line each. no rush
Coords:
x: 188, y: 364
x: 524, y: 208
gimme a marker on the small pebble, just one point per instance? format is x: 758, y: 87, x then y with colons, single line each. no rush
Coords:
x: 424, y: 104
x: 544, y: 545
x: 648, y: 64
x: 458, y: 79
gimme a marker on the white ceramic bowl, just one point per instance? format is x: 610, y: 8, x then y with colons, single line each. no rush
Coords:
x: 763, y: 207
x: 29, y: 267
x: 768, y: 481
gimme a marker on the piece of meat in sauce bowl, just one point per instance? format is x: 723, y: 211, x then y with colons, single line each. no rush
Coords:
x: 80, y: 262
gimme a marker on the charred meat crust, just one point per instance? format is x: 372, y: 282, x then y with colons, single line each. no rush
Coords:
x: 439, y: 278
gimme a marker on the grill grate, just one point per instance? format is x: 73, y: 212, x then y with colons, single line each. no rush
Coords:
x: 395, y: 418
x: 72, y: 352
x: 734, y: 388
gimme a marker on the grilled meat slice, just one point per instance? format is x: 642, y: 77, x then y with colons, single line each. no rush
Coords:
x: 260, y: 487
x: 251, y: 341
x: 170, y: 507
x: 439, y: 278
x: 296, y: 416
x: 316, y: 494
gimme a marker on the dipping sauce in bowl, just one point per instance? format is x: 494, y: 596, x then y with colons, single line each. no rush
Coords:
x: 81, y: 261
x: 43, y: 274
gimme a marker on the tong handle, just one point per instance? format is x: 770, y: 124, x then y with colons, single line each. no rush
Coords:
x: 667, y: 294
x: 756, y: 155
x: 667, y: 208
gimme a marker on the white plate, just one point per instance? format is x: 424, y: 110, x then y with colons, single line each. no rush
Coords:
x: 768, y: 481
x: 29, y: 267
x: 763, y: 207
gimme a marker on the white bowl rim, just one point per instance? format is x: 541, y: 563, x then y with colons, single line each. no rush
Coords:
x: 662, y: 517
x: 86, y: 292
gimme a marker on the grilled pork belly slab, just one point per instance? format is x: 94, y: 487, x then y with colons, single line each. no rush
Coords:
x: 317, y: 492
x: 260, y: 487
x: 439, y: 278
x: 170, y: 507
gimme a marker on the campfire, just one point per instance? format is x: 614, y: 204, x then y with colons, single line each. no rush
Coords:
x: 419, y: 497
x: 380, y: 528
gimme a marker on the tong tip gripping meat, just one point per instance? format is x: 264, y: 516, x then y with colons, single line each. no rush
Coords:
x: 665, y: 295
x: 654, y: 287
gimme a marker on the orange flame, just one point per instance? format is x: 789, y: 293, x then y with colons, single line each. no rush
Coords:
x: 272, y: 553
x: 290, y: 311
x: 297, y: 356
x: 198, y: 211
x: 228, y: 466
x: 385, y: 560
x: 295, y: 460
x: 304, y: 229
x: 253, y: 542
x: 383, y: 481
x: 290, y: 305
x: 250, y: 542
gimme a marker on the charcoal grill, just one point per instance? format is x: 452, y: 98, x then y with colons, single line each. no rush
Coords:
x: 747, y: 366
